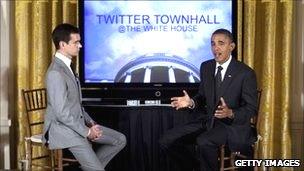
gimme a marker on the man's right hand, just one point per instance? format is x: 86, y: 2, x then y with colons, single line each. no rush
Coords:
x: 181, y: 102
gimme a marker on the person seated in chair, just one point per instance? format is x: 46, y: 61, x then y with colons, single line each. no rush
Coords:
x: 67, y: 124
x: 228, y: 92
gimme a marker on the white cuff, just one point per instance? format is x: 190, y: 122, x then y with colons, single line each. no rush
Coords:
x: 89, y: 132
x: 192, y: 105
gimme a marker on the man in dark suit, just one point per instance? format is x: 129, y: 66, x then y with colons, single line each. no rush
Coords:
x: 228, y: 93
x: 67, y: 124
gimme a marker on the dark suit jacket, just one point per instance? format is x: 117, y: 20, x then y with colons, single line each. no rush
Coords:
x: 239, y: 90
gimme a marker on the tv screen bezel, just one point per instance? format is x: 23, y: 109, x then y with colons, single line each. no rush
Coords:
x: 136, y: 90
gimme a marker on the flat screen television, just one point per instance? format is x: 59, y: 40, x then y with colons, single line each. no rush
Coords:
x: 147, y: 49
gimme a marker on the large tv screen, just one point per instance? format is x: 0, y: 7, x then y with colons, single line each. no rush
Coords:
x: 146, y: 43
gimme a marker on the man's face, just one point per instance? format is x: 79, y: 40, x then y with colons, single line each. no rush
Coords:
x: 73, y: 46
x: 221, y: 47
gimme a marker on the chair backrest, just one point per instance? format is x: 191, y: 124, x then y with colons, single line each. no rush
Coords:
x: 254, y: 119
x: 35, y: 101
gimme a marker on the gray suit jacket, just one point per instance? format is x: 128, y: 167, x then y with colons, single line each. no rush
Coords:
x: 65, y: 122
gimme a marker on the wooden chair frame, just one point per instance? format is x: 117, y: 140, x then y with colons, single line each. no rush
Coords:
x: 35, y: 102
x: 233, y: 155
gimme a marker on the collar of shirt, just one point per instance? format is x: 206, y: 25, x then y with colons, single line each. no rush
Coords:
x: 224, y: 65
x: 66, y: 60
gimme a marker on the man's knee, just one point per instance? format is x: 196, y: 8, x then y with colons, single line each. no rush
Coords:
x: 203, y: 143
x: 122, y: 141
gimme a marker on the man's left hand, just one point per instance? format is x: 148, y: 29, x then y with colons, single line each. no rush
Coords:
x: 223, y: 111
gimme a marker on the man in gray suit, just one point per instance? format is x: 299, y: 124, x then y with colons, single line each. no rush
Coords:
x: 67, y: 125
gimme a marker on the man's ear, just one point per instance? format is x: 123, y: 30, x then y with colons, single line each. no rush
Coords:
x: 232, y: 45
x: 61, y: 44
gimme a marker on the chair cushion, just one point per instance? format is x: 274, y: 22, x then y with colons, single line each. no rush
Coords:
x: 36, y: 138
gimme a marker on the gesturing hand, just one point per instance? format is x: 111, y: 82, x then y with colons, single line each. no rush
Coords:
x: 181, y: 102
x: 222, y: 110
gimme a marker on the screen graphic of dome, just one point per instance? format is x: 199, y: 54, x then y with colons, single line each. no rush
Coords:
x: 158, y: 68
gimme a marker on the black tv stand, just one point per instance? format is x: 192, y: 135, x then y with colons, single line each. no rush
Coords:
x: 122, y: 102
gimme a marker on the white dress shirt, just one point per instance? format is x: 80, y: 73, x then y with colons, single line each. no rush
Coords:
x: 66, y: 60
x: 224, y: 66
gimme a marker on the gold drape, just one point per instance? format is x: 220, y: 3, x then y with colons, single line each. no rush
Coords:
x: 267, y: 47
x: 264, y: 43
x: 34, y: 21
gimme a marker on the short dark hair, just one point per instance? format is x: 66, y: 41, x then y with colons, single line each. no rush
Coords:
x: 63, y: 32
x: 225, y: 32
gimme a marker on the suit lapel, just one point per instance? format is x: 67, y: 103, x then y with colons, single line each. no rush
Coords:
x: 210, y: 82
x: 73, y: 77
x: 229, y: 76
x: 78, y: 86
x: 66, y: 70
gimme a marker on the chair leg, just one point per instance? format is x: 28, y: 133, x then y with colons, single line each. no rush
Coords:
x: 53, y: 165
x: 232, y: 159
x: 28, y: 154
x: 255, y: 150
x: 59, y: 159
x: 222, y: 156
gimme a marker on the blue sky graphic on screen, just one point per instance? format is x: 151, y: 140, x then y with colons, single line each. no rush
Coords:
x: 150, y: 41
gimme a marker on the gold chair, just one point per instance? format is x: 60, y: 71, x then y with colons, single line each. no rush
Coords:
x: 233, y: 155
x: 35, y: 102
